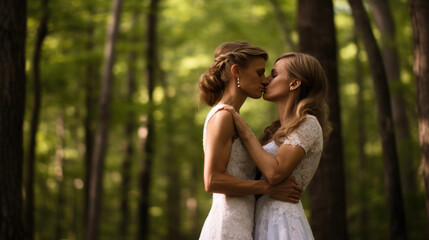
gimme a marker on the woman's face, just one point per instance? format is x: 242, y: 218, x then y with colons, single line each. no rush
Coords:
x: 252, y: 78
x: 278, y: 87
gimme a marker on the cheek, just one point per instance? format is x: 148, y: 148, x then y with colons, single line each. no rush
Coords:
x: 250, y: 83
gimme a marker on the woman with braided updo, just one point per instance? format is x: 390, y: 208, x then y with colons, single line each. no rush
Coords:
x: 229, y: 172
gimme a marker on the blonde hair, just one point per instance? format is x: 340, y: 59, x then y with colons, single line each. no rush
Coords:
x: 212, y: 83
x: 311, y: 97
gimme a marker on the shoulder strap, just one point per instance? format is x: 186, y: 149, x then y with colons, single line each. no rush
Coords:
x: 214, y: 110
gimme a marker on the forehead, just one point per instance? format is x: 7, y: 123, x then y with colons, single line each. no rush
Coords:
x: 280, y: 65
x: 257, y: 63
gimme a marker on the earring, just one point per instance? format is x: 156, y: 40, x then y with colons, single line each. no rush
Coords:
x: 238, y: 82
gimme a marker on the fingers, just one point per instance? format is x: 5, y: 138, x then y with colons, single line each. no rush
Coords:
x: 292, y: 179
x: 291, y: 199
x: 297, y: 186
x: 228, y: 107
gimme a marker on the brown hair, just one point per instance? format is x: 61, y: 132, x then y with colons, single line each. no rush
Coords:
x: 311, y: 97
x: 212, y: 83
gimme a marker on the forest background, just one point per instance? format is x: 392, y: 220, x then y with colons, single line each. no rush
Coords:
x: 113, y: 126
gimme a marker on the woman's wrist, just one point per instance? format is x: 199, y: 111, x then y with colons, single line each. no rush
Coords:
x: 245, y: 133
x: 267, y: 187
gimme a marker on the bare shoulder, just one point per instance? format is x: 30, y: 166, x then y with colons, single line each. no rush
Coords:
x: 221, y: 124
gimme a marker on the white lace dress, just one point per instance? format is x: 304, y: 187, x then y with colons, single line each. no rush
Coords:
x: 231, y: 217
x: 283, y: 220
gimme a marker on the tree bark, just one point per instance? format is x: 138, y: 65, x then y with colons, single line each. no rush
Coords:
x: 385, y: 23
x: 327, y: 190
x: 385, y: 123
x: 13, y: 18
x: 101, y: 134
x: 281, y: 19
x: 361, y: 141
x: 419, y: 11
x: 42, y: 31
x: 91, y: 75
x: 130, y: 130
x: 149, y: 144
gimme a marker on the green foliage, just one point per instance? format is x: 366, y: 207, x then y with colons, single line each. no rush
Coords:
x: 188, y: 33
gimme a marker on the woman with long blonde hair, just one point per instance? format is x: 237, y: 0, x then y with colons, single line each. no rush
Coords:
x: 291, y: 146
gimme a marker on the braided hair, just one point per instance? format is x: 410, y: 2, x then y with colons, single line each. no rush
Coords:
x: 212, y: 83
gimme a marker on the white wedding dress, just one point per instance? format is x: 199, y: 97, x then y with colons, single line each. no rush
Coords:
x: 276, y: 220
x: 231, y: 217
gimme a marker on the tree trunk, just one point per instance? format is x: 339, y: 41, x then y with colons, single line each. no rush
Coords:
x: 130, y: 130
x: 327, y: 190
x: 101, y: 134
x: 419, y: 10
x: 281, y: 19
x: 42, y: 31
x: 59, y: 161
x: 386, y: 25
x: 149, y: 144
x: 91, y: 74
x: 361, y: 141
x: 172, y: 171
x: 385, y: 123
x: 13, y: 19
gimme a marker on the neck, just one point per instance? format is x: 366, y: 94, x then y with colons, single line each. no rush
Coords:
x: 233, y: 96
x: 286, y: 109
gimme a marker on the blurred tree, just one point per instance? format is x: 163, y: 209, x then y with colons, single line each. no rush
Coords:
x: 91, y: 76
x: 284, y: 26
x: 419, y: 10
x: 42, y: 31
x: 172, y: 167
x: 385, y: 23
x: 385, y: 122
x: 101, y: 134
x: 317, y: 37
x: 130, y: 130
x: 59, y: 172
x: 361, y: 141
x: 149, y: 144
x: 13, y: 18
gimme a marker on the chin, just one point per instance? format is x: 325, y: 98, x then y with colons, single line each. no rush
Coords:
x: 256, y: 95
x: 265, y: 97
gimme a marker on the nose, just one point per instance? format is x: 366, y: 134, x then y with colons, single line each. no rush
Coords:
x: 265, y: 81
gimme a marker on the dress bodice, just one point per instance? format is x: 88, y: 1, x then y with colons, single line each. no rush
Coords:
x: 240, y: 164
x: 284, y: 220
x: 309, y: 136
x: 231, y: 217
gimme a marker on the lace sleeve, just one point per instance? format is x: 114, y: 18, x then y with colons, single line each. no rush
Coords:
x: 306, y: 134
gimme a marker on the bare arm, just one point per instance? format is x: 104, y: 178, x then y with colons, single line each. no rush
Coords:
x: 218, y: 146
x: 275, y: 169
